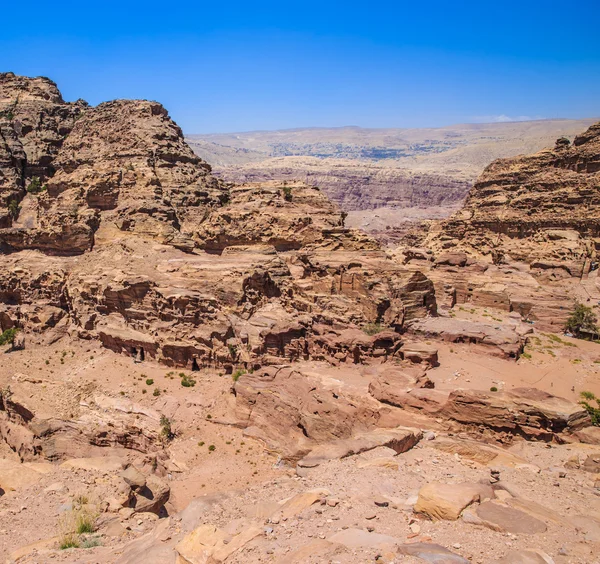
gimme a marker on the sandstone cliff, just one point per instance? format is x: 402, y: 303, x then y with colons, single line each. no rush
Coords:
x: 542, y: 209
x: 113, y: 229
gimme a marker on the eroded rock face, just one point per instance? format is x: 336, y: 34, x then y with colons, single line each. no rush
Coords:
x: 542, y: 209
x: 175, y: 264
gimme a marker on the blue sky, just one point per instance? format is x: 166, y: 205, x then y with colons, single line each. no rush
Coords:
x: 229, y: 66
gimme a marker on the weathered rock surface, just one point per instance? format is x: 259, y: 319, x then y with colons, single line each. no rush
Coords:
x: 448, y: 501
x: 528, y: 412
x: 541, y: 209
x: 177, y: 265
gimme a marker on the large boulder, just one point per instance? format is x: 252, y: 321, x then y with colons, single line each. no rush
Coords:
x: 448, y: 501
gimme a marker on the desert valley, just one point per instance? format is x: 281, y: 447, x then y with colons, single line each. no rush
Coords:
x: 205, y: 366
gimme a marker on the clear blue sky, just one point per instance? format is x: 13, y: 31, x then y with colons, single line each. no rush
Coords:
x: 229, y: 66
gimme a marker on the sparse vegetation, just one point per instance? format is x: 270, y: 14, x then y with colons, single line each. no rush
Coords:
x: 8, y: 336
x: 149, y: 381
x: 212, y: 448
x: 236, y: 375
x: 594, y: 411
x: 13, y: 209
x: 373, y: 328
x: 187, y: 381
x: 69, y: 540
x: 90, y: 542
x: 84, y: 522
x: 526, y: 355
x: 232, y: 351
x: 287, y: 193
x: 166, y: 429
x: 36, y: 186
x: 583, y: 322
x: 156, y: 392
x: 493, y: 389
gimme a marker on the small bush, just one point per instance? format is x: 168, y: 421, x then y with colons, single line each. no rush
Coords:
x: 582, y: 320
x: 212, y: 448
x: 149, y: 382
x: 91, y: 542
x: 287, y: 193
x: 526, y: 355
x: 236, y: 375
x: 493, y: 389
x: 166, y: 430
x: 13, y: 209
x: 84, y: 522
x: 156, y: 392
x: 36, y: 186
x: 8, y: 336
x: 68, y: 540
x: 594, y: 412
x: 232, y: 351
x: 373, y: 328
x: 187, y: 381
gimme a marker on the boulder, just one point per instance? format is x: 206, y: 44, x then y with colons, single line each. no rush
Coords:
x: 503, y: 518
x: 152, y: 497
x: 528, y: 412
x: 399, y: 439
x: 133, y: 478
x: 433, y: 553
x: 448, y: 501
x: 525, y: 556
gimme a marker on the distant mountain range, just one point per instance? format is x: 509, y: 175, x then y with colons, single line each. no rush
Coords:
x: 366, y: 169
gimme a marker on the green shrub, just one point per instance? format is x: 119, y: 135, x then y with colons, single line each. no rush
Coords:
x: 287, y: 193
x: 594, y: 412
x: 84, y: 522
x: 68, y: 541
x: 36, y: 186
x: 211, y: 448
x: 13, y: 209
x: 166, y: 430
x: 156, y: 392
x: 8, y: 336
x: 149, y: 382
x: 236, y: 375
x: 582, y: 320
x: 493, y: 389
x: 90, y: 542
x: 187, y: 381
x: 232, y: 351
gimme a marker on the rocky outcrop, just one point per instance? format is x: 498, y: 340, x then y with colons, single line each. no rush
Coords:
x: 177, y: 265
x: 528, y: 412
x: 541, y: 209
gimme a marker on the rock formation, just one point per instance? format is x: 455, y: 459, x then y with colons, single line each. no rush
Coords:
x: 541, y: 209
x: 302, y: 381
x: 175, y: 264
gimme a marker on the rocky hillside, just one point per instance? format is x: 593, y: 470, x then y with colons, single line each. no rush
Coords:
x: 313, y: 398
x: 175, y: 264
x: 542, y: 209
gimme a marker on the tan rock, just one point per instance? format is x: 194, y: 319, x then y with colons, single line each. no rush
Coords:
x: 526, y: 556
x: 298, y: 503
x: 503, y: 518
x: 433, y: 553
x: 447, y: 501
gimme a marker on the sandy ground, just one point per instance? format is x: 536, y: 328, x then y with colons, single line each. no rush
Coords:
x: 243, y: 476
